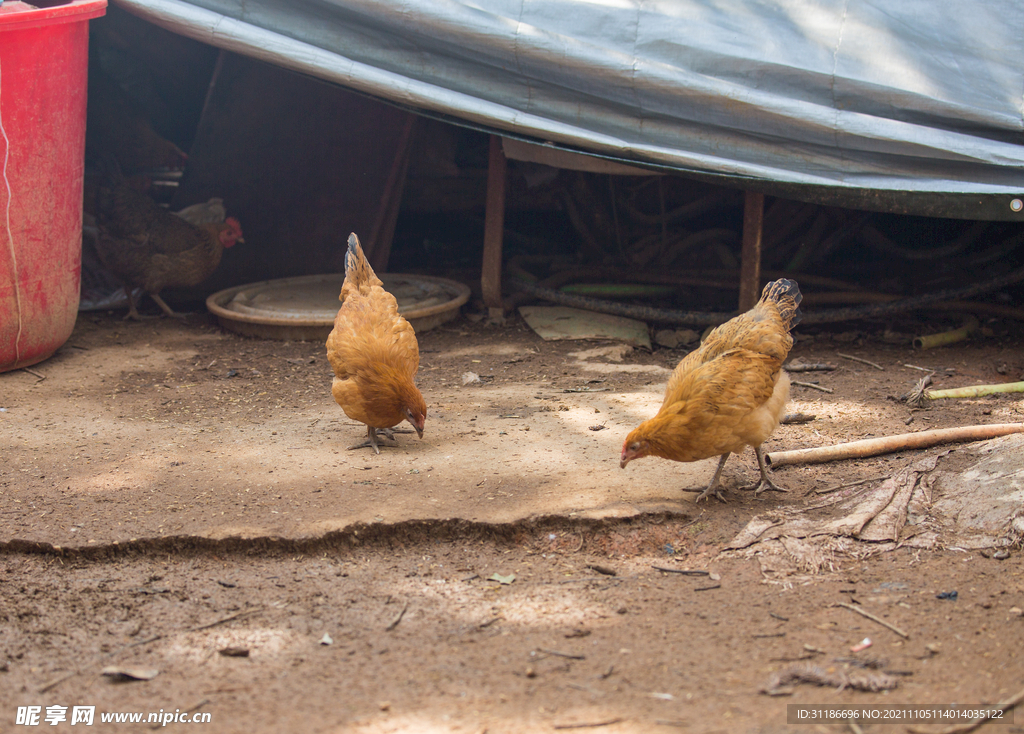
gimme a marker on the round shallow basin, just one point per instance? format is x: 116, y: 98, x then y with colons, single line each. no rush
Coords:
x: 304, y: 307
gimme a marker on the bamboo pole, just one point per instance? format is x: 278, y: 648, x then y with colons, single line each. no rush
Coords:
x: 974, y: 391
x: 930, y: 341
x: 889, y: 444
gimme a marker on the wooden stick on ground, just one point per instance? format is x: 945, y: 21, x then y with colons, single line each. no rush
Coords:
x: 797, y: 366
x: 862, y: 361
x: 810, y: 385
x: 889, y: 444
x: 873, y: 618
x: 847, y: 485
x: 594, y: 725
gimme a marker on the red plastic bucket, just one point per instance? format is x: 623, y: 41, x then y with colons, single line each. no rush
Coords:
x: 44, y: 58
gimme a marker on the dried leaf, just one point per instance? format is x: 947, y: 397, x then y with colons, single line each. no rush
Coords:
x: 234, y: 652
x: 130, y: 672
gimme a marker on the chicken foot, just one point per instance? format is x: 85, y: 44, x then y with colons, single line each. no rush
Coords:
x: 713, y: 484
x: 373, y: 433
x: 133, y: 312
x: 166, y: 309
x: 766, y: 481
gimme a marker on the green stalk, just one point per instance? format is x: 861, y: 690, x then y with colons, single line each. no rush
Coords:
x: 948, y: 337
x: 974, y: 391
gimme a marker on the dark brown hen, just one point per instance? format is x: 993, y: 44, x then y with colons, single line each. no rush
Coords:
x: 148, y: 247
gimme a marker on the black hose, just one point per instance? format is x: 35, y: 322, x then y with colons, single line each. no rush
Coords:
x: 828, y: 316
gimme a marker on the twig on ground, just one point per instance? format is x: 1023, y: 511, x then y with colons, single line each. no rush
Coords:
x: 811, y: 385
x: 558, y: 654
x: 225, y: 620
x: 836, y: 488
x: 592, y: 725
x: 693, y: 522
x: 808, y: 367
x: 34, y: 373
x: 922, y: 369
x: 489, y: 622
x: 683, y: 571
x: 397, y: 619
x: 873, y: 618
x: 862, y: 361
x: 889, y: 444
x: 57, y: 681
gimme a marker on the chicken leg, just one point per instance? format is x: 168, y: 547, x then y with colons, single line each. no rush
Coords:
x: 371, y: 438
x: 372, y: 435
x: 133, y: 312
x: 766, y: 481
x: 166, y: 309
x: 713, y: 484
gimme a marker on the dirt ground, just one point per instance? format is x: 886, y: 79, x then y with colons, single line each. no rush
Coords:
x: 171, y: 493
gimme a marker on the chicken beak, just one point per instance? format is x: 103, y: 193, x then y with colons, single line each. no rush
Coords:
x: 624, y: 460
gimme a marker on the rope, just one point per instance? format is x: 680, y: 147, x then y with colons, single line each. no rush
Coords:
x: 7, y: 221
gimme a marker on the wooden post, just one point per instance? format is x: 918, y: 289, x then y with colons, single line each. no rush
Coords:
x: 494, y: 225
x: 750, y: 259
x: 378, y: 247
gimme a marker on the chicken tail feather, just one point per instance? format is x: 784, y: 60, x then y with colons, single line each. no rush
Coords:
x: 358, y: 273
x: 786, y: 296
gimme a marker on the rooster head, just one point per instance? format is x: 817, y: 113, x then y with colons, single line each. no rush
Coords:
x: 231, y: 233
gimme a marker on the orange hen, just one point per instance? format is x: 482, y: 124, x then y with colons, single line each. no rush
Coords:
x: 729, y: 393
x: 374, y: 354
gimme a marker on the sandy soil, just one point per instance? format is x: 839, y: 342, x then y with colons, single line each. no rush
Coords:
x: 171, y: 492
